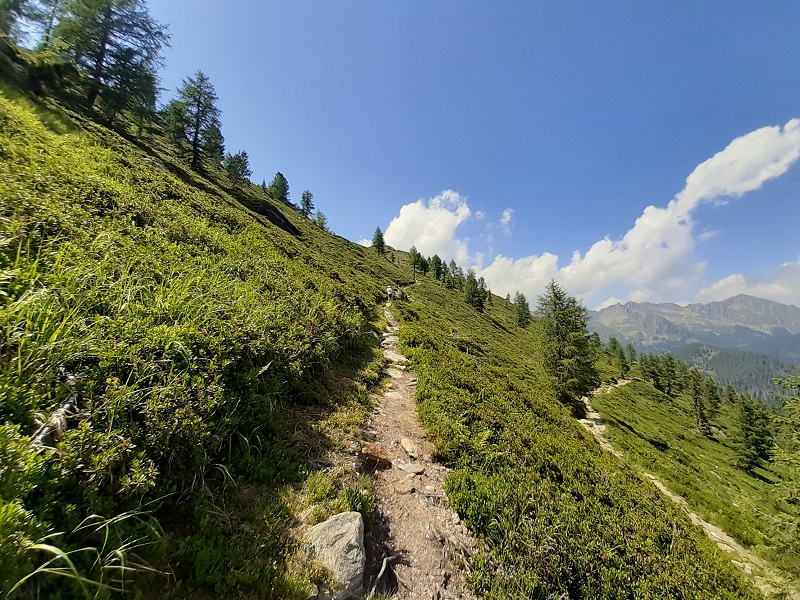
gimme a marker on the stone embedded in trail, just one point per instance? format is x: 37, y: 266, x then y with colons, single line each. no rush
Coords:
x: 394, y: 357
x: 338, y: 545
x: 413, y: 468
x: 374, y: 456
x: 410, y: 447
x: 393, y: 372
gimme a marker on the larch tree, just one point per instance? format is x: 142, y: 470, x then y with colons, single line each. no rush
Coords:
x: 201, y: 120
x: 569, y: 357
x: 238, y: 167
x: 378, y: 242
x: 755, y: 438
x: 522, y: 309
x: 279, y: 188
x: 307, y: 203
x: 98, y: 34
x: 321, y: 221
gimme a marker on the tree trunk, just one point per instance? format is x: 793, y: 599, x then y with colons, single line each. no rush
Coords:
x: 99, y: 63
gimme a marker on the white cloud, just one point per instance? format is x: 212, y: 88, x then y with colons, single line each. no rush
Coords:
x: 655, y: 256
x: 654, y: 259
x: 431, y: 227
x: 507, y: 221
x: 480, y: 215
x: 781, y: 286
x: 365, y: 242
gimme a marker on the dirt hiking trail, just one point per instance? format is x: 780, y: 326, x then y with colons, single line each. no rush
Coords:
x: 418, y: 549
x: 740, y: 556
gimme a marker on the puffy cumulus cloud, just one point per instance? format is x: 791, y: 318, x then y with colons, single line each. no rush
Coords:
x: 431, y: 227
x: 781, y: 286
x: 365, y: 242
x: 655, y: 257
x: 480, y: 215
x: 528, y: 275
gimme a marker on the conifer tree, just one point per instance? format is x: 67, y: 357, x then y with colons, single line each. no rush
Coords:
x: 630, y: 352
x: 98, y: 34
x: 307, y: 203
x: 475, y: 291
x: 378, y: 242
x: 321, y: 221
x: 522, y: 309
x: 201, y: 120
x: 437, y: 266
x: 279, y: 188
x: 755, y: 438
x: 696, y: 389
x: 214, y: 145
x: 415, y: 258
x: 568, y: 356
x: 238, y: 167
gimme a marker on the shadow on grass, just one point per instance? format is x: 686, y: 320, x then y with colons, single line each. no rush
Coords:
x: 237, y: 538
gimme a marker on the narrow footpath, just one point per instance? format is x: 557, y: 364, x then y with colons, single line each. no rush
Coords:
x: 419, y: 549
x: 751, y: 564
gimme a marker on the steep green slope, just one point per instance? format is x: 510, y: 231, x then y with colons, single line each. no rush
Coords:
x: 659, y: 435
x: 559, y: 516
x: 183, y: 330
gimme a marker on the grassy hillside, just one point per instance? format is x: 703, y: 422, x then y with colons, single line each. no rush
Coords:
x: 197, y: 340
x: 658, y: 434
x: 560, y: 517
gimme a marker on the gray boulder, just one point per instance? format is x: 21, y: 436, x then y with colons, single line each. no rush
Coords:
x: 338, y: 545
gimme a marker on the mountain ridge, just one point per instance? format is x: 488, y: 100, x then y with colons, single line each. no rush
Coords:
x: 733, y: 323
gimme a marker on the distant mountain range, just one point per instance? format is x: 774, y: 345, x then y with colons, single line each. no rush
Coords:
x: 742, y: 341
x: 741, y: 323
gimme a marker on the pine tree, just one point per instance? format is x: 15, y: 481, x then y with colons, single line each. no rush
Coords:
x: 321, y: 221
x: 475, y: 291
x: 522, y: 309
x: 238, y: 167
x: 437, y: 266
x: 279, y: 188
x: 568, y: 356
x: 755, y: 438
x: 378, y: 242
x: 415, y: 257
x: 200, y: 122
x: 307, y: 203
x: 696, y: 389
x: 98, y: 34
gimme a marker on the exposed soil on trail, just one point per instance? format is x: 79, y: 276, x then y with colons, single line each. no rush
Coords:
x: 740, y: 556
x: 417, y: 547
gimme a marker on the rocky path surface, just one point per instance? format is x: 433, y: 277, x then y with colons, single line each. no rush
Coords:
x: 740, y: 556
x: 419, y: 547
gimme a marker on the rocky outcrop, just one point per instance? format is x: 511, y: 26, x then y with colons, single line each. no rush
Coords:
x: 338, y: 545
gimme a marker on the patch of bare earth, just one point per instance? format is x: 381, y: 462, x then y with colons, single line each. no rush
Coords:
x: 416, y: 546
x: 741, y: 557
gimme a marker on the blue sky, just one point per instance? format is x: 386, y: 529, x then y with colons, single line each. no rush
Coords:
x: 435, y: 120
